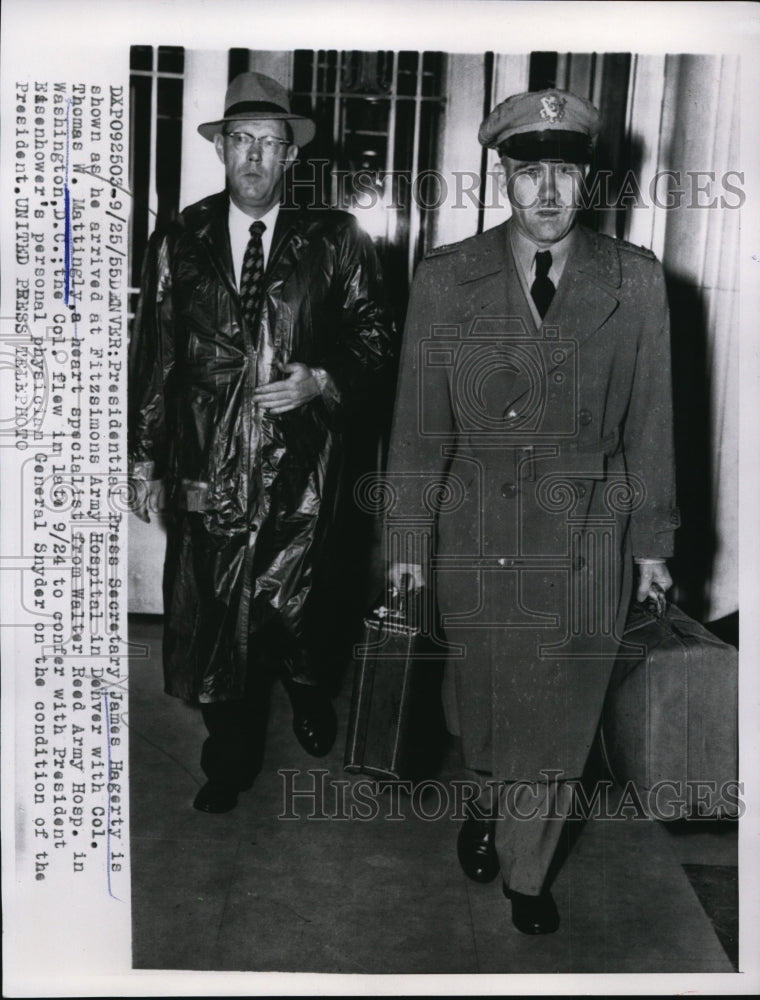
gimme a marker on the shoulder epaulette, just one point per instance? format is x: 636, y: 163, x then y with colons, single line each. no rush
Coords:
x: 440, y: 251
x: 633, y: 248
x: 641, y: 251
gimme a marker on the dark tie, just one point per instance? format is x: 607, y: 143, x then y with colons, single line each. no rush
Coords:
x: 542, y: 288
x: 252, y: 275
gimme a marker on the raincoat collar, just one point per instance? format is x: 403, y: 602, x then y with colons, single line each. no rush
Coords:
x: 208, y: 221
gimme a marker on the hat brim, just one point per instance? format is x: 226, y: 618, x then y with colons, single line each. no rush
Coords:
x: 304, y: 129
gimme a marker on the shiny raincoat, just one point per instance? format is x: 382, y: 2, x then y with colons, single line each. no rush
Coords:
x: 250, y: 496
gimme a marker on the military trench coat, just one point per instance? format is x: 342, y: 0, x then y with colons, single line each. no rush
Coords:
x: 553, y: 452
x: 250, y: 496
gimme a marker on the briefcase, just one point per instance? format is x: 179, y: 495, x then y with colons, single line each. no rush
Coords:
x: 395, y: 726
x: 669, y: 724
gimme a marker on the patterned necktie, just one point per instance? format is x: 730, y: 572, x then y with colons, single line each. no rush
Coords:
x: 252, y: 275
x: 542, y: 288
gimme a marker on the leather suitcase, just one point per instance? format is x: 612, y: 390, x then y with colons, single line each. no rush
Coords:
x: 671, y: 716
x: 395, y: 726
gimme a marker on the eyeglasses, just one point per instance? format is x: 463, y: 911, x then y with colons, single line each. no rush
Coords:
x: 268, y: 144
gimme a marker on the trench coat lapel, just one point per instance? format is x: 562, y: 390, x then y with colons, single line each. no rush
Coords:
x: 588, y: 290
x: 585, y: 299
x: 480, y: 274
x: 490, y: 296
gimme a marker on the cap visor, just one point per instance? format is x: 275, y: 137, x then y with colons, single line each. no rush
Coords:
x: 551, y: 144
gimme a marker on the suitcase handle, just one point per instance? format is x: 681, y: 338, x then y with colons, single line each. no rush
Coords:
x: 656, y: 604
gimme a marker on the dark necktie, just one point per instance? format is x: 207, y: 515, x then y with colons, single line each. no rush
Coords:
x: 542, y: 288
x: 252, y: 275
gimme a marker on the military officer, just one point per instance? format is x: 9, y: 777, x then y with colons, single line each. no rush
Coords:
x: 535, y: 388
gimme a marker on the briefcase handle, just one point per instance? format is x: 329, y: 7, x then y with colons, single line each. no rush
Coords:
x: 389, y: 609
x: 393, y: 608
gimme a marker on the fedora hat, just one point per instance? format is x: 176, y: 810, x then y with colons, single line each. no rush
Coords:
x: 253, y: 95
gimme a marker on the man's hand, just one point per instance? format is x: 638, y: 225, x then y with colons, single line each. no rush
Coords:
x: 406, y: 577
x: 649, y: 573
x: 139, y: 497
x: 298, y: 388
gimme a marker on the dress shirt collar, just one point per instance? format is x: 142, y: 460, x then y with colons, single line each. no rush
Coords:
x: 239, y: 226
x: 524, y: 251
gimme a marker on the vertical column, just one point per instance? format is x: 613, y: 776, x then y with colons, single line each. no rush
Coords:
x: 510, y: 76
x: 700, y: 237
x: 277, y: 64
x: 203, y: 101
x: 459, y: 152
x: 645, y: 222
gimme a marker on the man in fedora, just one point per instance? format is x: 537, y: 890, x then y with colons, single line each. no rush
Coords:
x: 260, y: 330
x: 535, y: 387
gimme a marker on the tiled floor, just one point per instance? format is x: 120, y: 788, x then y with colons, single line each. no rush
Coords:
x: 250, y: 891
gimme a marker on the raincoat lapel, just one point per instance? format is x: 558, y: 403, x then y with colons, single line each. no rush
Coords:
x: 214, y: 231
x: 289, y: 233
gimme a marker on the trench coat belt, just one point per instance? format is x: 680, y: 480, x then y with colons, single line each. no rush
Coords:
x: 579, y: 456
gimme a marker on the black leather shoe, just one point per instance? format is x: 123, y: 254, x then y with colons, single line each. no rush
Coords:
x: 533, y: 914
x: 316, y: 726
x: 314, y: 721
x: 215, y: 798
x: 476, y: 850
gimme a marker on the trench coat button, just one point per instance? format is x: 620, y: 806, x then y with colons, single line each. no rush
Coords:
x: 585, y: 417
x: 508, y: 490
x: 578, y: 563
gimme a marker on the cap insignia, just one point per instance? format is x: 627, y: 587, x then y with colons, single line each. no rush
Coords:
x: 553, y: 107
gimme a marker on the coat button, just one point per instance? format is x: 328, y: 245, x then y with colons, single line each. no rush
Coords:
x: 581, y: 490
x: 508, y: 490
x: 578, y: 563
x: 585, y: 417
